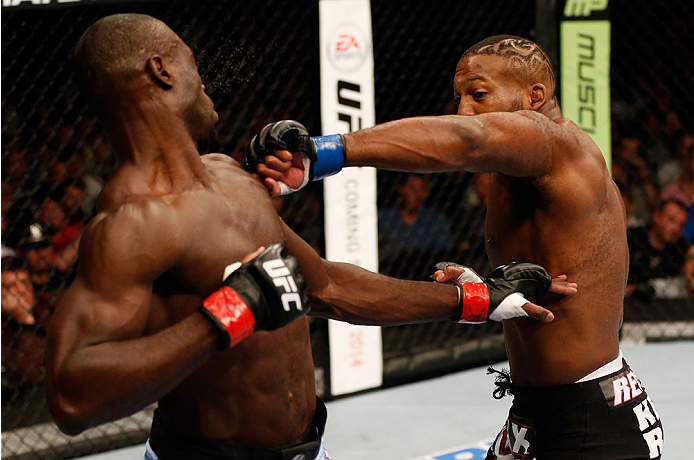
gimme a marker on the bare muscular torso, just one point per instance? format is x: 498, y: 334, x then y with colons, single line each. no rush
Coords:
x: 572, y: 221
x: 261, y: 392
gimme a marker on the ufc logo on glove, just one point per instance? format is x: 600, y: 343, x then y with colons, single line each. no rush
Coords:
x: 281, y: 276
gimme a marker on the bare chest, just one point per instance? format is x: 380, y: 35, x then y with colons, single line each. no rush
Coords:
x: 219, y: 225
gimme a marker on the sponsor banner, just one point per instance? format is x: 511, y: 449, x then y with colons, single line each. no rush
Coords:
x: 347, y: 104
x: 585, y: 9
x: 585, y: 70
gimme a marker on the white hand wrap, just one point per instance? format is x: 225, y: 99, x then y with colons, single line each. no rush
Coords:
x: 231, y: 268
x: 510, y: 307
x: 286, y: 189
x: 469, y: 276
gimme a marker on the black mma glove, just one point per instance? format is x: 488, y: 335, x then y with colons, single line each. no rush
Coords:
x: 322, y: 156
x: 263, y: 294
x: 499, y: 296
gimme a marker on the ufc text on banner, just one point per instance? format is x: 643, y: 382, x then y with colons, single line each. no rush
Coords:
x: 347, y: 104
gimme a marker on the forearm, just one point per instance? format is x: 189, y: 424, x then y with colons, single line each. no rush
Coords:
x: 350, y: 293
x: 421, y: 144
x: 109, y: 380
x: 358, y: 296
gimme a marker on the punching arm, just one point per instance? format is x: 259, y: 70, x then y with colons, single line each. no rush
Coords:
x: 349, y: 293
x: 517, y: 144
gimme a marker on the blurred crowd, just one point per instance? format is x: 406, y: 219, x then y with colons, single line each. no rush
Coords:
x: 50, y: 188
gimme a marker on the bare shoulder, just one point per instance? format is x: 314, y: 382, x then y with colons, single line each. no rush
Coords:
x: 224, y: 167
x: 562, y: 131
x: 219, y: 160
x: 137, y: 234
x: 580, y: 174
x: 568, y: 142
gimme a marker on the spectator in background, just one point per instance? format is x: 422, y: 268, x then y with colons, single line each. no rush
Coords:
x: 99, y: 162
x: 7, y: 198
x: 413, y: 230
x: 657, y: 253
x: 22, y: 347
x: 678, y: 179
x: 64, y: 234
x: 17, y: 291
x: 65, y: 164
x: 77, y: 203
x: 410, y: 222
x: 58, y: 222
x: 36, y: 250
x: 653, y: 138
x: 68, y: 169
x: 14, y: 163
x: 17, y: 213
x: 18, y: 171
x: 631, y: 173
x: 50, y: 249
x: 682, y: 187
x: 671, y: 170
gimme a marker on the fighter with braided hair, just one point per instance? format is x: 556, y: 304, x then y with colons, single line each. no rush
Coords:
x: 551, y: 202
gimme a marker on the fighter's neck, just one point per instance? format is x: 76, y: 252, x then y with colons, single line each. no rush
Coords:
x: 160, y: 145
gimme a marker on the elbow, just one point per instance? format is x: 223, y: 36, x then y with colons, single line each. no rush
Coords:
x: 70, y: 429
x: 68, y: 419
x: 68, y: 416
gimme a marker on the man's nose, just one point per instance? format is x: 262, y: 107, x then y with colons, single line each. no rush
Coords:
x: 466, y: 109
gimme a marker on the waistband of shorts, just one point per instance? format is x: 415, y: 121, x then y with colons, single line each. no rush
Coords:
x: 601, y: 388
x: 168, y: 443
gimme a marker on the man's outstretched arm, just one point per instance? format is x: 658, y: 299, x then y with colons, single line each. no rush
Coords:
x: 349, y: 293
x: 518, y: 144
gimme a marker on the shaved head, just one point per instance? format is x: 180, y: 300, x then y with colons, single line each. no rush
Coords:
x: 113, y: 52
x: 526, y: 57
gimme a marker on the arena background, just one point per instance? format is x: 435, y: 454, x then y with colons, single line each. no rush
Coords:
x: 260, y: 63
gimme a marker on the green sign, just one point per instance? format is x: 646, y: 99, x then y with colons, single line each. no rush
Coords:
x: 585, y: 79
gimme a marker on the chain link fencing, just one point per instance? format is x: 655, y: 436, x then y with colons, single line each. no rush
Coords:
x: 259, y: 61
x: 653, y: 163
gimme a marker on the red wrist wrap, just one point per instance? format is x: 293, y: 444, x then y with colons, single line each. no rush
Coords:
x: 475, y: 303
x: 232, y: 313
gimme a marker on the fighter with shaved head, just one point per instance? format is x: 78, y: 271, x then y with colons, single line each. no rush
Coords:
x: 552, y: 202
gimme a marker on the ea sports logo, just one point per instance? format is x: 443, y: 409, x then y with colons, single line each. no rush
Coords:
x: 348, y: 48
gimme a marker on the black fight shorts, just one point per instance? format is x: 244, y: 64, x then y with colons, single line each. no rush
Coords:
x: 609, y: 418
x: 169, y: 444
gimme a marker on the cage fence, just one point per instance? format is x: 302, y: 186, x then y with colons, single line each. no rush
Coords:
x: 259, y: 61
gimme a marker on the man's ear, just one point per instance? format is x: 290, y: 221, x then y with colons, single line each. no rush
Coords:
x: 538, y: 96
x: 158, y: 70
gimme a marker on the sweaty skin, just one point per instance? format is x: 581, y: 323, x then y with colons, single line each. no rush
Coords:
x: 551, y: 202
x: 128, y: 332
